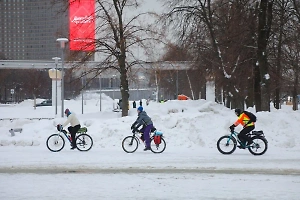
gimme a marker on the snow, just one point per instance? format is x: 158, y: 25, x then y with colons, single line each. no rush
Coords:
x: 267, y: 76
x: 190, y: 168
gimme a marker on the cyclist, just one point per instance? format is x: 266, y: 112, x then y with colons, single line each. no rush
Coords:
x: 75, y: 126
x: 248, y: 125
x: 143, y: 120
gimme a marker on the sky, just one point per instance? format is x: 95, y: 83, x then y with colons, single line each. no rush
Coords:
x: 190, y: 168
x: 157, y: 48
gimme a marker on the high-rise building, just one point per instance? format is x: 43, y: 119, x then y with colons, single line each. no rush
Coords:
x: 29, y: 29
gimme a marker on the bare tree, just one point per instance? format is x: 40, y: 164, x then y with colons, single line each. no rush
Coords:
x: 120, y: 34
x: 221, y: 29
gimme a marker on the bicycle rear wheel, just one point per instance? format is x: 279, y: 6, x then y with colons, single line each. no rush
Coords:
x: 84, y: 142
x: 130, y: 144
x: 259, y: 146
x: 158, y: 148
x: 226, y: 144
x: 55, y: 142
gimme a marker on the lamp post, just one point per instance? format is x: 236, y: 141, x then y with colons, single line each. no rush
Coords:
x: 100, y: 89
x: 62, y: 42
x: 56, y: 63
x: 112, y: 86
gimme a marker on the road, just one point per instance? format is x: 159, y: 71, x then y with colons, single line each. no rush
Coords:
x: 32, y: 173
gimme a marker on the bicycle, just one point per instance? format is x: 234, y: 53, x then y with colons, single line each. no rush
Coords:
x: 130, y: 143
x: 227, y: 144
x: 56, y: 142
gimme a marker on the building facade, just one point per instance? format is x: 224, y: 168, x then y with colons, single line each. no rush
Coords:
x: 29, y: 29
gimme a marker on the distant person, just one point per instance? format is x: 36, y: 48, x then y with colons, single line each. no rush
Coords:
x: 75, y: 126
x: 141, y: 103
x: 134, y: 104
x: 143, y: 120
x: 147, y: 102
x: 248, y: 125
x: 120, y: 104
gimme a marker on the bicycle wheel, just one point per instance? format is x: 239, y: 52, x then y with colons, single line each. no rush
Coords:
x: 226, y: 144
x: 84, y: 142
x: 259, y: 146
x: 130, y: 144
x: 55, y: 142
x: 158, y: 148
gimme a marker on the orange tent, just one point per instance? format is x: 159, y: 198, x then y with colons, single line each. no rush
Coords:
x: 182, y: 97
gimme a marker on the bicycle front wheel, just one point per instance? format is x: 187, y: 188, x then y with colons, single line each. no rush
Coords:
x: 84, y: 142
x: 130, y: 144
x: 259, y: 146
x: 158, y: 148
x: 226, y: 144
x: 55, y: 142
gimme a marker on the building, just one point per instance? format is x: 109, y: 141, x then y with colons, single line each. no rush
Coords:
x: 29, y: 29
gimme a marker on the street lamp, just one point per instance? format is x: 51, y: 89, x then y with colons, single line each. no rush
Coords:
x: 62, y: 42
x: 100, y: 89
x: 114, y: 77
x: 56, y: 63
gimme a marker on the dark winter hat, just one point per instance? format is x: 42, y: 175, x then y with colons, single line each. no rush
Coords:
x: 67, y: 111
x: 238, y: 111
x: 140, y: 108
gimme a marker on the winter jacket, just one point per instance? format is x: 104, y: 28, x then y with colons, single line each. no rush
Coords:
x: 142, y: 120
x: 72, y: 119
x: 243, y: 119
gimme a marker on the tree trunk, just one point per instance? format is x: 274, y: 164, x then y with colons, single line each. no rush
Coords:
x: 278, y: 61
x: 250, y: 94
x: 295, y: 91
x: 190, y: 84
x: 124, y: 86
x: 265, y: 18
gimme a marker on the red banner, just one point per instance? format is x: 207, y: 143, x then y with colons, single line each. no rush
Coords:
x: 82, y: 25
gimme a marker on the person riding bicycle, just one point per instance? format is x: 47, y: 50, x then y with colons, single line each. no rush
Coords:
x: 75, y: 126
x: 248, y: 125
x: 143, y: 120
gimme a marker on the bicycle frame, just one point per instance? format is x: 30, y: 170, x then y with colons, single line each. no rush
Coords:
x: 137, y: 138
x: 151, y: 135
x: 65, y: 133
x: 234, y: 134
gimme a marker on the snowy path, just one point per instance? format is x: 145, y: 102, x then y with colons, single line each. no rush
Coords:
x: 178, y: 173
x: 115, y: 160
x: 148, y: 186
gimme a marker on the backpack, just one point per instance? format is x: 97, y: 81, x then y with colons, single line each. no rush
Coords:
x: 252, y: 117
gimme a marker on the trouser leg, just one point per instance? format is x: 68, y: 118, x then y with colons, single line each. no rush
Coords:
x: 243, y: 134
x: 147, y: 135
x: 73, y: 134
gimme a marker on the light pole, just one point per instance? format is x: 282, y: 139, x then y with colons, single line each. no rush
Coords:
x: 56, y: 63
x: 62, y: 42
x: 100, y: 89
x: 114, y: 76
x: 176, y: 85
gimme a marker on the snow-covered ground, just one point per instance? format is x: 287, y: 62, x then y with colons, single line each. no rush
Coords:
x: 190, y: 168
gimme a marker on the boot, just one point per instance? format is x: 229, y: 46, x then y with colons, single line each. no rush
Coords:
x: 147, y: 148
x: 73, y: 146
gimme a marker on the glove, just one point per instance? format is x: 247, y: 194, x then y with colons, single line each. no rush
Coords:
x: 232, y: 127
x: 59, y: 127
